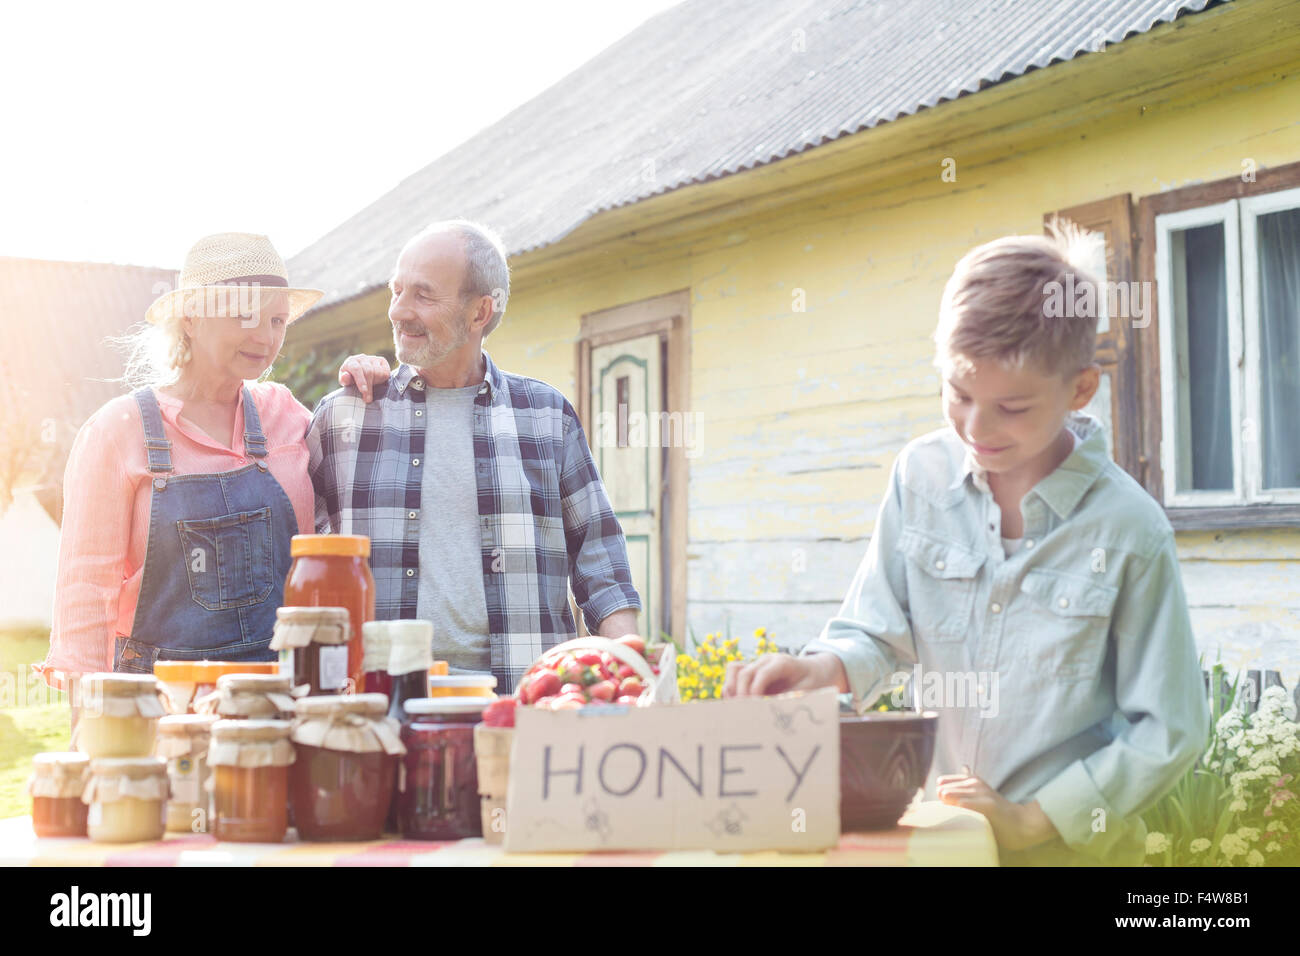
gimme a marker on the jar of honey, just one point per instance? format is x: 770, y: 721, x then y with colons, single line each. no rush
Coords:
x: 462, y: 685
x: 333, y: 570
x: 249, y: 761
x: 58, y: 780
x: 249, y: 697
x: 438, y: 796
x: 127, y: 797
x: 342, y: 781
x: 313, y: 646
x: 118, y: 716
x: 183, y: 743
x: 188, y: 681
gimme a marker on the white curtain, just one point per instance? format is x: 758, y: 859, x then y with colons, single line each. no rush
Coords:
x: 1279, y: 347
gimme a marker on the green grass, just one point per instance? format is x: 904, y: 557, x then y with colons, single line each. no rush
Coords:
x: 31, y: 719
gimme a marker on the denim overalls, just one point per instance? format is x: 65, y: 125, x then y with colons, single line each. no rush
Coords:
x: 217, y: 558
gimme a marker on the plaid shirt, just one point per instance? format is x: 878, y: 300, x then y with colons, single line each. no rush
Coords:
x: 546, y: 521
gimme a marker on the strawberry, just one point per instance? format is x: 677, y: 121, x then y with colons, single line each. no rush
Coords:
x: 500, y: 713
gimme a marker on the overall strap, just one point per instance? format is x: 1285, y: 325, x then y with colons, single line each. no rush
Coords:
x: 156, y: 445
x: 254, y: 440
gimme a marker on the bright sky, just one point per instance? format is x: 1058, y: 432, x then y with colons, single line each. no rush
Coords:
x: 134, y: 128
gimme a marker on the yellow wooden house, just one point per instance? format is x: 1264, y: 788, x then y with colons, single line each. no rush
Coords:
x: 729, y: 233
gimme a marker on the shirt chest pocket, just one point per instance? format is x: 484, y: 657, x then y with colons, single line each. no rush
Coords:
x: 941, y: 578
x: 1066, y: 620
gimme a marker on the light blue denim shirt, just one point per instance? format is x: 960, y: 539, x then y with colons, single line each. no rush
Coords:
x: 1066, y: 673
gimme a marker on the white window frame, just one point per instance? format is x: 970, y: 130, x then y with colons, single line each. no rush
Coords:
x: 1173, y: 433
x: 1251, y: 209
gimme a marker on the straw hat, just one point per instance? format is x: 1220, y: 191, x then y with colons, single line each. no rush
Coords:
x: 239, y: 259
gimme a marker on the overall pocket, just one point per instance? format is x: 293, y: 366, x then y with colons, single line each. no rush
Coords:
x: 1066, y: 621
x: 229, y: 559
x: 940, y: 586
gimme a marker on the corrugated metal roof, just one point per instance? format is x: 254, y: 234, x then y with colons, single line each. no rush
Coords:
x: 707, y: 89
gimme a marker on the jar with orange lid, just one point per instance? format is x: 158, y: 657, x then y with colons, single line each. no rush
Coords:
x: 249, y: 697
x: 462, y: 685
x: 58, y: 780
x: 187, y: 681
x: 127, y: 797
x: 249, y: 779
x: 183, y: 743
x: 333, y: 570
x: 345, y: 767
x: 118, y: 715
x: 313, y: 645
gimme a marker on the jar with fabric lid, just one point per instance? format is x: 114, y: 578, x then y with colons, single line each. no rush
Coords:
x: 333, y: 570
x: 375, y: 637
x: 187, y: 681
x: 183, y: 743
x: 119, y: 715
x: 341, y: 784
x: 438, y: 796
x: 462, y: 685
x: 58, y: 780
x: 127, y: 797
x: 249, y: 779
x: 249, y: 697
x: 313, y: 646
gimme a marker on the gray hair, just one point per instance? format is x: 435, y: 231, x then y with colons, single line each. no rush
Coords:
x: 486, y: 269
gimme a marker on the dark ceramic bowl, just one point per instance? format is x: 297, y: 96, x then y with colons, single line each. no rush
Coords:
x: 884, y: 760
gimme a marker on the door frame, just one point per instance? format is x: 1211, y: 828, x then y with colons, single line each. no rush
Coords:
x: 669, y: 316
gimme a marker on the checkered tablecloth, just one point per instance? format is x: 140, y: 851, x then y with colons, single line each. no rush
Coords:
x: 930, y: 834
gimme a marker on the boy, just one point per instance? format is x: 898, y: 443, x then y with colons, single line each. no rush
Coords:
x: 1010, y: 550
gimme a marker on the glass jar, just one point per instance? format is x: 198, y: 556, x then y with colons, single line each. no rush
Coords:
x: 58, y: 780
x: 376, y: 635
x: 183, y: 743
x: 341, y: 784
x: 118, y: 715
x: 127, y: 797
x: 333, y: 570
x: 249, y: 697
x: 463, y: 685
x: 249, y: 780
x: 438, y: 796
x: 187, y: 681
x: 313, y: 647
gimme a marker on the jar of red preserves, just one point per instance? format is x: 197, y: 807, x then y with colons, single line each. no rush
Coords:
x: 438, y: 795
x: 56, y: 785
x: 333, y: 570
x: 342, y: 780
x: 313, y: 645
x: 249, y: 779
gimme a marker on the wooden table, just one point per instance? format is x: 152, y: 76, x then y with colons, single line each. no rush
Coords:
x: 930, y: 834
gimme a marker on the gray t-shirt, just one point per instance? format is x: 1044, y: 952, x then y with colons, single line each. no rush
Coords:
x: 451, y: 557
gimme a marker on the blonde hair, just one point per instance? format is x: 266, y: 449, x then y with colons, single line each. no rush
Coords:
x: 996, y: 303
x: 153, y: 355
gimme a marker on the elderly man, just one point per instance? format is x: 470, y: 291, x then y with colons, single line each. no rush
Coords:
x: 475, y: 486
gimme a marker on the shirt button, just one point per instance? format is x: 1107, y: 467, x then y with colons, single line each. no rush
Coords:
x: 1029, y: 542
x: 410, y: 573
x: 410, y: 514
x: 996, y: 608
x: 939, y: 565
x: 1064, y: 602
x: 415, y: 461
x: 419, y: 412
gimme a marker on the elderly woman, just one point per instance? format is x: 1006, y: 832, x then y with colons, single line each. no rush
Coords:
x: 180, y: 498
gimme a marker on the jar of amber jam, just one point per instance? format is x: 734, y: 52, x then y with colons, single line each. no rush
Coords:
x: 249, y: 779
x: 183, y: 743
x: 333, y: 570
x: 127, y: 797
x: 313, y: 646
x: 58, y: 780
x: 249, y: 697
x: 187, y: 681
x: 342, y: 780
x: 438, y: 795
x: 118, y: 716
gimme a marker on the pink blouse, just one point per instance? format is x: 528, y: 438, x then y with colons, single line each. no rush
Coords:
x: 106, y: 493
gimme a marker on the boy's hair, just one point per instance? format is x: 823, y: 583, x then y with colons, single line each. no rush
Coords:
x: 996, y: 303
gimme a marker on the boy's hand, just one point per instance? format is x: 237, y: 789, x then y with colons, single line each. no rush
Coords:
x: 1015, y: 826
x: 779, y: 673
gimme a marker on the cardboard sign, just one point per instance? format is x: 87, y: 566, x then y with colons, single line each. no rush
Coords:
x: 743, y: 774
